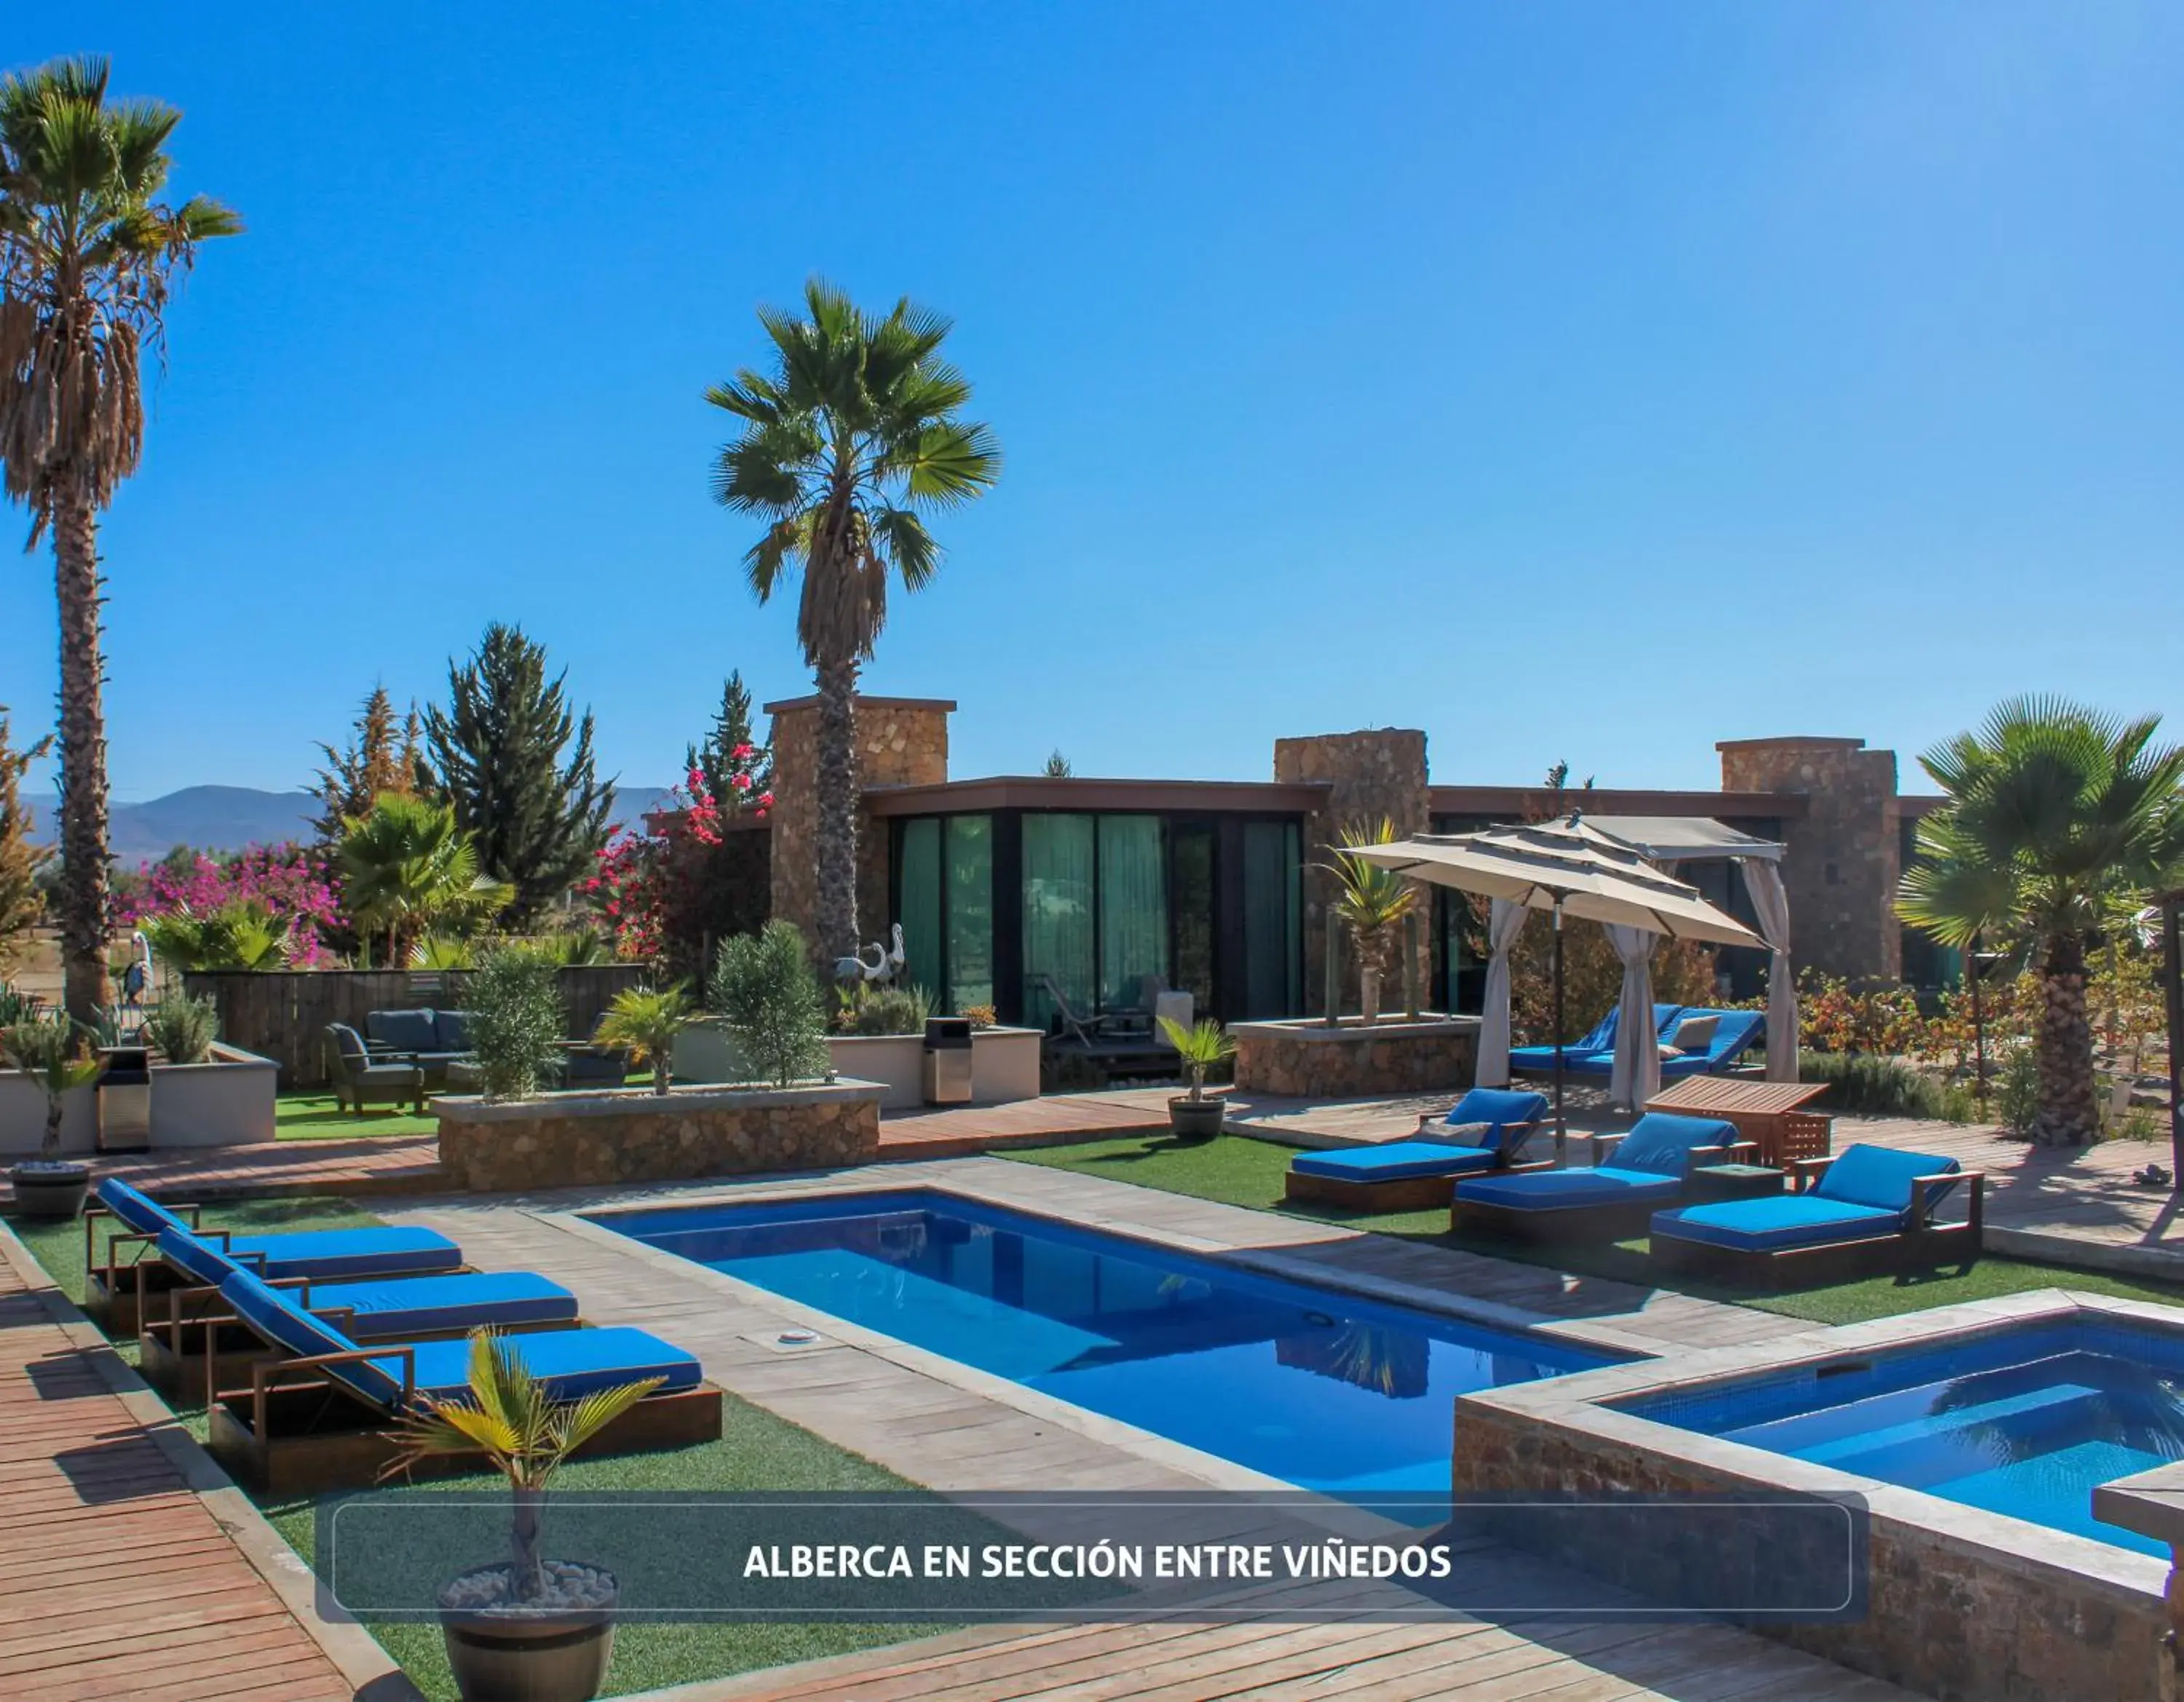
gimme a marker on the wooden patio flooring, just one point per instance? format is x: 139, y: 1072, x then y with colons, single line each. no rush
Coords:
x: 118, y: 1580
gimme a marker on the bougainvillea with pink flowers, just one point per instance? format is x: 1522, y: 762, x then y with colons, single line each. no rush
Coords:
x: 290, y: 882
x: 668, y: 894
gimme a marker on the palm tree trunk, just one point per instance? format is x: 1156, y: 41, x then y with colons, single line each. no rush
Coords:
x: 84, y: 885
x: 836, y: 858
x: 527, y: 1579
x: 2068, y: 1114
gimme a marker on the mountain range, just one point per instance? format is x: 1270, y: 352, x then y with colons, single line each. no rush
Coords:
x: 227, y: 818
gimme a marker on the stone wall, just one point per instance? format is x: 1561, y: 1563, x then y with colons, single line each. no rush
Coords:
x: 900, y: 742
x: 1842, y: 861
x: 567, y: 1140
x: 1945, y: 1619
x: 1311, y: 1060
x: 1368, y: 774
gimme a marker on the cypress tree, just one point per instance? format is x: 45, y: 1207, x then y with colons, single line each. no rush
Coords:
x: 737, y: 769
x: 537, y: 821
x: 371, y: 764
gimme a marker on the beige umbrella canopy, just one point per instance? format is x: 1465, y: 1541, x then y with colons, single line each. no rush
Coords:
x: 1574, y: 870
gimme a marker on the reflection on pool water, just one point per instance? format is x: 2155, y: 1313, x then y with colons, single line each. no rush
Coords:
x: 1330, y: 1392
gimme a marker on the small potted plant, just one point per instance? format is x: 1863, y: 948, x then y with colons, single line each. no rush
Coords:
x: 49, y: 1053
x: 1194, y: 1117
x: 530, y: 1626
x: 644, y: 1023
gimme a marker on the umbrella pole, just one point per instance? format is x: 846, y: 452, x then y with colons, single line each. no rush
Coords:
x: 1562, y: 1130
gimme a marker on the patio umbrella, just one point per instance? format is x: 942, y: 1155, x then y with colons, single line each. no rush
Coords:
x: 1569, y: 867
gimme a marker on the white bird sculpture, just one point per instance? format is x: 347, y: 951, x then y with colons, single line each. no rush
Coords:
x: 885, y: 966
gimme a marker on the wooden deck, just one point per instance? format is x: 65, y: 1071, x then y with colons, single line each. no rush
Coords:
x: 118, y: 1581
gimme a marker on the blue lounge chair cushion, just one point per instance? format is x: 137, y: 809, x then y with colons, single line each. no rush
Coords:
x: 1505, y: 1113
x: 1661, y: 1142
x: 1564, y: 1190
x: 1866, y: 1175
x: 196, y: 1258
x: 405, y: 1031
x: 571, y: 1363
x: 1395, y: 1161
x: 1735, y: 1032
x: 1790, y: 1220
x: 388, y: 1250
x: 400, y: 1308
x: 282, y: 1322
x: 139, y: 1212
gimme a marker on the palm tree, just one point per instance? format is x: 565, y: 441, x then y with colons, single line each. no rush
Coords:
x: 407, y: 867
x: 1370, y: 902
x: 2058, y: 816
x: 644, y: 1023
x: 855, y: 432
x: 88, y: 257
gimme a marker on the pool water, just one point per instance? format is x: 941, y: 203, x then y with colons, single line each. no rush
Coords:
x: 1332, y: 1392
x: 2026, y: 1422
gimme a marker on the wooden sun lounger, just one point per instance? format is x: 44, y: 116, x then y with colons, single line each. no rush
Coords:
x: 1404, y: 1193
x: 294, y: 1432
x: 1923, y: 1246
x: 1613, y: 1219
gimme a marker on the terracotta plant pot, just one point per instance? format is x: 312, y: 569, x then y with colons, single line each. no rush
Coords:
x: 548, y: 1655
x: 50, y: 1188
x: 1194, y: 1119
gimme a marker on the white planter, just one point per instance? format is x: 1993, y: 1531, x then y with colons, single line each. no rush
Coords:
x: 1004, y: 1062
x: 226, y: 1101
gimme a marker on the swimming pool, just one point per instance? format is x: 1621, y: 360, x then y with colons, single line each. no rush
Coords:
x: 1329, y: 1392
x: 2024, y: 1421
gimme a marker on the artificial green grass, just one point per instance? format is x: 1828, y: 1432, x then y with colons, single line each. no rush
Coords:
x: 1237, y: 1170
x: 756, y: 1450
x: 314, y: 1116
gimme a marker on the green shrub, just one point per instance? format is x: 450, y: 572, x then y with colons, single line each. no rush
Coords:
x: 763, y: 988
x: 2017, y: 1091
x: 14, y: 1007
x: 516, y: 1021
x: 1861, y: 1084
x: 182, y: 1027
x: 888, y: 1010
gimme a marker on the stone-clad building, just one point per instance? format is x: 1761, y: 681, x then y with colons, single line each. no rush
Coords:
x: 1011, y: 888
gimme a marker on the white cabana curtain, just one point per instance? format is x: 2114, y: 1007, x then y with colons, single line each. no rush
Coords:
x: 1762, y: 879
x: 1504, y: 922
x: 1637, y: 1075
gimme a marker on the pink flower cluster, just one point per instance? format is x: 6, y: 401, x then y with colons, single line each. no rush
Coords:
x: 289, y: 880
x: 642, y: 878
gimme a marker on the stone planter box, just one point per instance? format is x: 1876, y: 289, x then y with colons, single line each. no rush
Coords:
x: 227, y: 1101
x: 563, y: 1140
x: 1004, y: 1062
x: 1305, y: 1059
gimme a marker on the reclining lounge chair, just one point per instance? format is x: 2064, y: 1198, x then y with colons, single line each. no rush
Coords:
x: 116, y: 1288
x: 1632, y: 1176
x: 1591, y: 1048
x: 1486, y: 1131
x: 318, y: 1420
x: 1865, y: 1212
x: 193, y: 1345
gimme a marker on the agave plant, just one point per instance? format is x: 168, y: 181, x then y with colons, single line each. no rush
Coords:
x: 1370, y: 902
x: 511, y: 1418
x: 644, y: 1023
x: 50, y: 1051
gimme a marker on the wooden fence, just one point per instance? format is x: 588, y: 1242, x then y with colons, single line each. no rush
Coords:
x: 282, y: 1015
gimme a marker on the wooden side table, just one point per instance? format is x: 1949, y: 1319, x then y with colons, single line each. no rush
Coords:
x: 1709, y: 1182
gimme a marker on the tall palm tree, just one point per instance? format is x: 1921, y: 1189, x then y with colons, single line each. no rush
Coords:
x: 407, y: 867
x: 855, y: 432
x: 89, y: 255
x: 2058, y: 817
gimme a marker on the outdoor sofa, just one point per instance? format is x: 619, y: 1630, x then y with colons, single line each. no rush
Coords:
x: 193, y: 1345
x: 1867, y: 1211
x: 430, y: 1039
x: 121, y: 1292
x: 318, y: 1418
x: 1485, y: 1131
x: 1632, y: 1176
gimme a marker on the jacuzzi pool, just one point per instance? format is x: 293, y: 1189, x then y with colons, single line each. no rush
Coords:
x: 2024, y: 1422
x: 1328, y: 1391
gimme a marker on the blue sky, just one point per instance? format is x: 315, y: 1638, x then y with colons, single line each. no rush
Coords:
x: 1570, y: 381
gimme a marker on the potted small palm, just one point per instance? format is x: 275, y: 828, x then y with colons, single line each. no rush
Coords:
x: 644, y: 1023
x: 1371, y: 902
x: 50, y: 1052
x: 526, y: 1627
x: 1194, y: 1117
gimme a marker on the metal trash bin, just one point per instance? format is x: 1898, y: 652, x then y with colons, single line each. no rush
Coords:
x: 124, y: 1099
x: 947, y: 1060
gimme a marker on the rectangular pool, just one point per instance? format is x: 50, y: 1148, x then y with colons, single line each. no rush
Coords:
x: 1332, y: 1392
x: 2023, y: 1420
